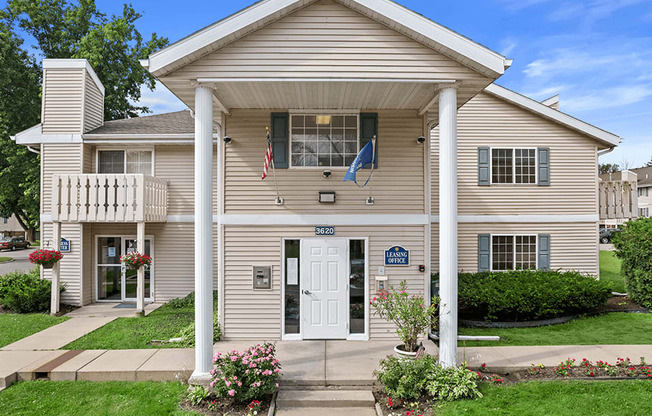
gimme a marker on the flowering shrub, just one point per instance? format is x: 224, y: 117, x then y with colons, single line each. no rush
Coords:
x: 246, y: 375
x: 45, y: 257
x: 496, y: 379
x: 408, y: 312
x: 535, y: 369
x: 254, y: 408
x: 135, y: 260
x: 623, y: 362
x: 448, y: 384
x: 405, y: 379
x: 563, y: 369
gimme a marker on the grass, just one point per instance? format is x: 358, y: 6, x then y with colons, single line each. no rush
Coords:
x: 18, y: 326
x: 59, y: 398
x: 613, y: 328
x: 610, y: 271
x: 136, y: 333
x: 568, y: 398
x: 5, y: 259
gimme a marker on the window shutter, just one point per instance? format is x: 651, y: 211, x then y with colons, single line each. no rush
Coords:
x: 544, y: 252
x: 544, y: 166
x: 281, y: 140
x: 369, y: 129
x: 484, y: 178
x: 484, y: 252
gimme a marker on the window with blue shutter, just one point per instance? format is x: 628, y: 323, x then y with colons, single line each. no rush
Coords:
x: 369, y: 129
x: 543, y: 254
x: 484, y: 252
x: 483, y: 166
x: 544, y: 166
x: 280, y: 139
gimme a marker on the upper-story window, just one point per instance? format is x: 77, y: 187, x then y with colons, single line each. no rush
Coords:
x: 323, y: 140
x: 644, y: 212
x: 643, y: 191
x: 125, y: 161
x: 514, y: 166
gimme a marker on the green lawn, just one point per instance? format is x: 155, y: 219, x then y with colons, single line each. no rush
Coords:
x: 18, y: 326
x: 568, y: 398
x: 136, y: 333
x: 5, y: 259
x: 612, y: 328
x: 59, y: 398
x: 610, y: 271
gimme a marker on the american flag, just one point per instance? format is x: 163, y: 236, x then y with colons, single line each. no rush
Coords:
x: 268, y: 156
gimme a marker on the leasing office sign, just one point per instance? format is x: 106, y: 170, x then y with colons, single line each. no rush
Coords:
x: 397, y: 256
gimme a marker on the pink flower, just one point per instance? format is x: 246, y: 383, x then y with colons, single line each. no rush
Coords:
x: 228, y: 383
x: 231, y: 393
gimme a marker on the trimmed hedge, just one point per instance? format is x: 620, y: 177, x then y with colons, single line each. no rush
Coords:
x: 523, y: 295
x: 634, y: 246
x: 25, y: 292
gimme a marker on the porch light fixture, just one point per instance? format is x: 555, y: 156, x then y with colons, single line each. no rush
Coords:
x: 323, y: 120
x: 327, y: 197
x: 421, y: 140
x: 370, y: 200
x: 227, y: 139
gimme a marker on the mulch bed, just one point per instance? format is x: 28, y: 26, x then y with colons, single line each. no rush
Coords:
x: 225, y: 407
x: 422, y: 406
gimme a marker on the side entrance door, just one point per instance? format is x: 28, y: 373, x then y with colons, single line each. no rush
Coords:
x: 130, y: 277
x: 324, y: 288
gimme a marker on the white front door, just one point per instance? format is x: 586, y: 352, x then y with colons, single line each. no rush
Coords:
x: 324, y: 288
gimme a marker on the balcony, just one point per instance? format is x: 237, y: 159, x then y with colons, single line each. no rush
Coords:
x: 109, y: 198
x: 618, y: 200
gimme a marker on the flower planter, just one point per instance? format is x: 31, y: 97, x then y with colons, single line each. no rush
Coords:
x: 405, y: 355
x: 133, y: 267
x: 48, y: 265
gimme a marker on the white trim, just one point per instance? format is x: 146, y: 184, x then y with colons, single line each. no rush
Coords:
x: 513, y: 182
x: 334, y: 219
x: 551, y: 101
x: 332, y: 79
x: 93, y: 137
x: 523, y: 219
x: 541, y: 109
x: 72, y: 64
x: 491, y: 250
x: 400, y: 19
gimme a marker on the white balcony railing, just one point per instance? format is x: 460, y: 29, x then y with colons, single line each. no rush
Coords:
x: 109, y: 198
x: 618, y: 200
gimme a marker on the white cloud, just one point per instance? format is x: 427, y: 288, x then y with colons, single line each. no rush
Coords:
x: 516, y: 5
x: 637, y: 153
x: 608, y: 97
x: 161, y: 100
x: 507, y: 46
x: 547, y: 92
x: 590, y: 12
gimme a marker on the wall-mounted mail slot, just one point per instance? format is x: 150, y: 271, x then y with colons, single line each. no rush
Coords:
x: 262, y: 276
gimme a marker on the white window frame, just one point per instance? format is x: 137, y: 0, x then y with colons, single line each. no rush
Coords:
x: 642, y: 191
x: 124, y: 150
x: 349, y: 337
x: 321, y: 113
x: 491, y: 250
x: 513, y: 149
x: 644, y: 212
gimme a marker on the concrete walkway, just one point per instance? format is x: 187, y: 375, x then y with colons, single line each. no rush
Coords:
x: 115, y: 310
x: 58, y: 335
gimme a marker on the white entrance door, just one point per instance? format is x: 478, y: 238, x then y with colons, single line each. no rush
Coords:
x: 324, y: 289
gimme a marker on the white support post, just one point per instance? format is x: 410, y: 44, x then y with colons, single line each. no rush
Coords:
x: 448, y: 226
x: 140, y: 278
x: 203, y: 235
x: 54, y: 297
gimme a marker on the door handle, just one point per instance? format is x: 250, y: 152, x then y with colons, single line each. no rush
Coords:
x: 307, y: 292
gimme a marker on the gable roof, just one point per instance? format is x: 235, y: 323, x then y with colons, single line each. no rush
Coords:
x: 603, y: 136
x: 644, y: 176
x: 386, y: 12
x: 178, y: 122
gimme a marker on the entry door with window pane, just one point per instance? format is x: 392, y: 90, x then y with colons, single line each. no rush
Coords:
x: 324, y: 288
x: 109, y: 273
x: 130, y: 277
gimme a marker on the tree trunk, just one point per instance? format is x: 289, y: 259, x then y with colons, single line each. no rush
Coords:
x: 30, y: 231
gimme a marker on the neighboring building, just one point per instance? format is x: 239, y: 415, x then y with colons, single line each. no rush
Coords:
x: 326, y: 76
x: 10, y: 227
x: 644, y: 191
x: 618, y: 198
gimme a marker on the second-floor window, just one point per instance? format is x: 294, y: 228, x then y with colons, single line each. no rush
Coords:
x: 321, y: 140
x: 514, y: 166
x: 125, y: 161
x: 643, y: 191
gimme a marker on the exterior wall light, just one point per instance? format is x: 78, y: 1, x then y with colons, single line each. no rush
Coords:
x: 227, y: 139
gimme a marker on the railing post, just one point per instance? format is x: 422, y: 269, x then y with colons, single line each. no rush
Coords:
x: 54, y: 294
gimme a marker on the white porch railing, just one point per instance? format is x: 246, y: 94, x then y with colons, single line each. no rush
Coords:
x: 618, y: 200
x: 109, y: 198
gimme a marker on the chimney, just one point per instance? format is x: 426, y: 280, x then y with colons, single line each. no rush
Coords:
x: 552, y: 102
x: 73, y: 97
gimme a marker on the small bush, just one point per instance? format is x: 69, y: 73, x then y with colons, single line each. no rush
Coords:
x: 248, y: 375
x: 634, y: 246
x: 529, y: 294
x: 188, y: 301
x: 25, y: 292
x: 405, y: 379
x: 188, y: 333
x: 449, y: 384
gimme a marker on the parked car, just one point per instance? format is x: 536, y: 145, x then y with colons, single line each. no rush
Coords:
x: 606, y: 234
x: 12, y: 243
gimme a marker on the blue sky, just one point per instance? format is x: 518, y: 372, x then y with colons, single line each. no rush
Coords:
x: 597, y: 54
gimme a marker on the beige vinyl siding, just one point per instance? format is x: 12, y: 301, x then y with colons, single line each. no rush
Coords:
x: 93, y: 105
x: 57, y: 158
x: 573, y: 246
x: 62, y: 100
x: 326, y: 39
x: 492, y: 122
x: 256, y: 314
x: 176, y: 164
x: 397, y: 183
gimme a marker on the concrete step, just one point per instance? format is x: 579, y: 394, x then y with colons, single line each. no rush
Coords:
x: 324, y: 399
x: 311, y: 411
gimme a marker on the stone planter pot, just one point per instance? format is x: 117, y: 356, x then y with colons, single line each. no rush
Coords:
x: 405, y: 355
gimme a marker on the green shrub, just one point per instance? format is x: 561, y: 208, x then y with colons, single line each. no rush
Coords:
x: 634, y: 246
x: 25, y: 292
x: 449, y: 384
x: 405, y: 379
x: 188, y: 301
x: 529, y: 294
x: 188, y: 333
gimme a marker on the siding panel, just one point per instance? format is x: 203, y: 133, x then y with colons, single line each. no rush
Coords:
x: 62, y: 100
x: 93, y: 105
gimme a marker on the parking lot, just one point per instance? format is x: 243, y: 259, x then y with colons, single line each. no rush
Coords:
x: 21, y: 260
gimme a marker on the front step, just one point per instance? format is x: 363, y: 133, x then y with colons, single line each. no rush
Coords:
x: 311, y: 411
x: 324, y: 399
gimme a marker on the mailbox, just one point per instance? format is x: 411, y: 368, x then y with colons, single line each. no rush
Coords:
x: 262, y: 277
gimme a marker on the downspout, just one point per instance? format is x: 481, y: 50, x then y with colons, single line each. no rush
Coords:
x: 31, y: 149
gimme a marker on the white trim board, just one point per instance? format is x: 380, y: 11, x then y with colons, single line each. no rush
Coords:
x: 523, y: 219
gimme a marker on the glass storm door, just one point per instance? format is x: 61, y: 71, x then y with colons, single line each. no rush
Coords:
x: 109, y: 272
x: 324, y: 289
x: 130, y: 277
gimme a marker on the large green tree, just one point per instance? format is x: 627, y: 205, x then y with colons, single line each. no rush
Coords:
x: 61, y: 29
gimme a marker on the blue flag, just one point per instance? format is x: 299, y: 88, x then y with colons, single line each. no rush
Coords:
x: 367, y: 155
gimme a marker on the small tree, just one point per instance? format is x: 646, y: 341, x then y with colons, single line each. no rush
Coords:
x: 634, y: 246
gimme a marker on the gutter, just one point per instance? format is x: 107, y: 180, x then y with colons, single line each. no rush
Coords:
x: 605, y: 151
x: 33, y: 150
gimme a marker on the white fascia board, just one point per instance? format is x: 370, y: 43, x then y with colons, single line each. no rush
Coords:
x: 523, y: 219
x: 562, y: 118
x: 551, y: 101
x: 312, y: 220
x: 31, y: 135
x: 72, y: 64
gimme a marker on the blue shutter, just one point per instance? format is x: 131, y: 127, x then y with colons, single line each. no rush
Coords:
x: 484, y: 178
x: 544, y: 166
x: 544, y: 252
x: 484, y: 252
x: 369, y: 129
x: 281, y: 140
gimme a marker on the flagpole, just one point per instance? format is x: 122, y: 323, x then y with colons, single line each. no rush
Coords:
x: 279, y: 200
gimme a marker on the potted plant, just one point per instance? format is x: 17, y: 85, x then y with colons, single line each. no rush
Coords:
x: 45, y: 258
x: 134, y: 260
x: 409, y: 313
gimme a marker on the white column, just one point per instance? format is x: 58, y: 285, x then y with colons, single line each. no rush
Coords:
x: 54, y: 294
x: 203, y: 234
x: 140, y: 278
x: 448, y: 226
